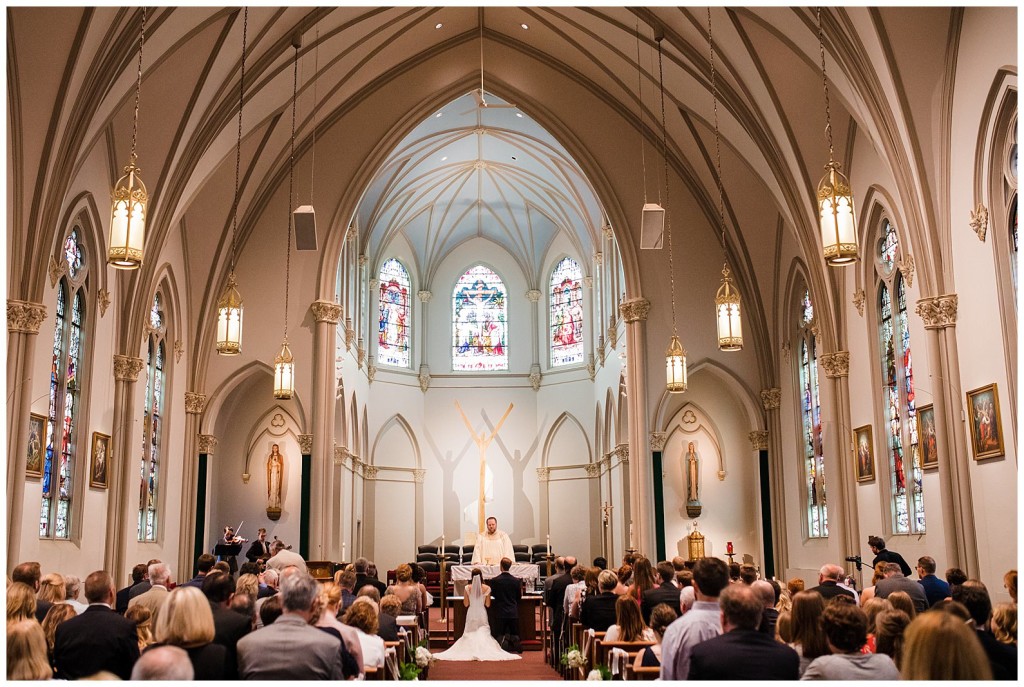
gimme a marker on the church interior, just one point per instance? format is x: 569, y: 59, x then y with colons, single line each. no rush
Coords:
x: 364, y: 276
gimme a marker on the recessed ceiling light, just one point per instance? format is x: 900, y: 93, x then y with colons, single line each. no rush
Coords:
x: 525, y: 27
x: 439, y: 114
x: 444, y: 158
x: 438, y: 25
x: 519, y: 114
x: 513, y: 157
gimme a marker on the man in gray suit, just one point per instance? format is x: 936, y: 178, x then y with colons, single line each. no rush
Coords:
x: 291, y: 649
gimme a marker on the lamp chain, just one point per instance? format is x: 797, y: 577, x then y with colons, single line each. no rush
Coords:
x: 316, y: 76
x: 238, y: 146
x: 291, y: 182
x: 824, y: 81
x: 718, y: 150
x: 640, y: 110
x: 138, y: 87
x: 668, y: 218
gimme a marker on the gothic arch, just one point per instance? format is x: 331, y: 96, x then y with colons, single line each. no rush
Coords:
x: 291, y: 427
x: 398, y: 422
x: 222, y: 393
x: 667, y: 408
x: 569, y: 420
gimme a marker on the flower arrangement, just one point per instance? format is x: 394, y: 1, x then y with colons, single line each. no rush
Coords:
x: 421, y: 661
x: 573, y: 657
x: 600, y: 672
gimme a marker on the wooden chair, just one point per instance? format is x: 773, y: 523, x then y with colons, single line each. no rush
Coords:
x: 635, y: 671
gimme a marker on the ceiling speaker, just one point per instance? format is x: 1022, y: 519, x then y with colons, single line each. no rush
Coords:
x: 305, y: 228
x: 652, y: 226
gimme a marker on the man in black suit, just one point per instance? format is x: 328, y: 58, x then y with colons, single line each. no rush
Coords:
x: 554, y: 593
x: 228, y: 626
x: 666, y: 593
x: 138, y: 572
x: 828, y: 583
x: 98, y: 639
x: 741, y: 652
x: 30, y: 573
x: 1001, y: 657
x: 363, y: 576
x: 506, y: 591
x: 598, y: 610
x: 260, y: 547
x: 883, y: 554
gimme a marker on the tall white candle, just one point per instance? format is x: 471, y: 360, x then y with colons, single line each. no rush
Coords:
x: 632, y: 542
x: 549, y: 543
x: 343, y: 560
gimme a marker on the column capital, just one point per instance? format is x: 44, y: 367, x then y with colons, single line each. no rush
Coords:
x: 306, y: 444
x: 369, y: 471
x: 598, y: 259
x: 424, y: 296
x: 593, y: 470
x: 195, y: 403
x: 207, y: 444
x: 126, y: 368
x: 535, y: 377
x: 588, y: 281
x: 759, y: 440
x: 363, y: 260
x: 938, y: 312
x: 608, y: 231
x: 24, y: 317
x: 533, y: 295
x: 621, y: 451
x: 657, y: 441
x: 836, y: 364
x: 326, y: 311
x: 635, y: 309
x: 418, y: 475
x: 543, y: 474
x: 424, y: 378
x: 371, y: 372
x: 771, y: 399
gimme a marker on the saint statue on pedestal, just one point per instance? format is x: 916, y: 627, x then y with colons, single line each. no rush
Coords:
x: 275, y: 470
x: 693, y: 505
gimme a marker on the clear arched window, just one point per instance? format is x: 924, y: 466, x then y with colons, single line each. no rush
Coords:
x: 152, y: 423
x: 394, y: 317
x: 810, y: 414
x: 65, y: 393
x: 479, y: 322
x: 905, y: 474
x: 566, y: 297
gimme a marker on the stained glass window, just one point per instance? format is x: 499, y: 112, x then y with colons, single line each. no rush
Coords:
x: 1013, y: 244
x: 905, y: 482
x: 393, y: 321
x: 810, y: 412
x: 62, y: 430
x: 479, y: 322
x: 566, y: 313
x: 152, y: 425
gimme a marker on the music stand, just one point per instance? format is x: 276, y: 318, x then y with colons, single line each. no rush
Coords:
x: 228, y: 552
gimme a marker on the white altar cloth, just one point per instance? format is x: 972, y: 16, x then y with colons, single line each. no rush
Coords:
x: 527, y: 571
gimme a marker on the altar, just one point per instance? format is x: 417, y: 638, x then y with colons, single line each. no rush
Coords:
x: 524, y: 571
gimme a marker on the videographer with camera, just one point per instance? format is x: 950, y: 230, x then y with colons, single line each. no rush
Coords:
x: 882, y: 554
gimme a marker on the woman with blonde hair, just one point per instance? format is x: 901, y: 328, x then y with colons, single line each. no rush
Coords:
x: 248, y: 584
x: 901, y: 601
x: 408, y: 592
x: 869, y: 593
x: 362, y: 615
x: 51, y: 588
x: 21, y: 602
x: 330, y: 603
x: 143, y: 619
x: 186, y: 621
x: 26, y: 652
x: 57, y: 614
x: 1004, y: 623
x: 629, y: 623
x: 940, y: 646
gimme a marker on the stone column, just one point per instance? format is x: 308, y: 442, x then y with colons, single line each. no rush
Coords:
x: 122, y: 499
x: 206, y: 445
x: 23, y: 322
x: 424, y: 370
x: 533, y: 295
x: 634, y: 313
x: 326, y: 315
x: 771, y: 399
x: 543, y: 487
x: 195, y: 403
x: 939, y: 315
x: 621, y: 453
x: 597, y: 312
x: 837, y: 368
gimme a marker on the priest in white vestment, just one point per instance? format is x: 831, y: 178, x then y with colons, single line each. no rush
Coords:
x: 492, y: 545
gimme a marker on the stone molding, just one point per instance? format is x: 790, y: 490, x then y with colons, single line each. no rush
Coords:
x: 424, y: 296
x: 103, y: 300
x: 593, y: 470
x: 938, y: 312
x: 207, y: 444
x: 56, y: 269
x: 362, y: 259
x: 771, y: 399
x: 979, y: 221
x: 179, y: 349
x: 371, y: 372
x: 126, y: 368
x: 306, y: 444
x: 621, y: 451
x: 418, y: 475
x: 836, y: 364
x: 24, y: 317
x: 598, y: 259
x: 635, y: 309
x: 858, y: 301
x: 535, y: 377
x: 759, y: 440
x: 369, y: 471
x: 657, y: 441
x: 424, y: 378
x: 326, y: 311
x: 195, y: 403
x: 906, y: 268
x: 608, y: 231
x: 533, y: 295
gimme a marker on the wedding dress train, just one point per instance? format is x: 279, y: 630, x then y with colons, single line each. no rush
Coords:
x: 476, y: 642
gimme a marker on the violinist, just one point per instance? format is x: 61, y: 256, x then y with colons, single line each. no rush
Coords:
x: 260, y: 549
x: 230, y: 539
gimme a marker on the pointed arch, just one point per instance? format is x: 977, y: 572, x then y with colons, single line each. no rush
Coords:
x: 568, y: 421
x: 219, y: 396
x: 479, y: 320
x: 398, y: 423
x: 667, y: 404
x: 394, y: 314
x: 565, y: 313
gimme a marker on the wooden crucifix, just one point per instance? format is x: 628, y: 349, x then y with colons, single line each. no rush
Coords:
x: 482, y: 444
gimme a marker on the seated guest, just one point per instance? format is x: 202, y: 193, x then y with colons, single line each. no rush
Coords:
x: 938, y: 646
x: 51, y: 589
x: 272, y: 579
x: 222, y: 566
x: 662, y: 616
x: 872, y: 609
x: 248, y: 584
x: 748, y: 574
x: 362, y: 616
x: 629, y: 623
x: 869, y: 593
x: 371, y: 572
x: 26, y: 652
x: 601, y: 562
x: 330, y: 602
x: 828, y: 583
x: 769, y: 615
x: 390, y: 609
x: 57, y: 614
x: 795, y: 585
x: 408, y: 592
x: 186, y: 621
x: 72, y: 590
x: 346, y: 579
x: 955, y: 577
x: 270, y: 611
x: 249, y: 568
x: 419, y: 576
x: 1002, y: 657
x: 370, y: 592
x: 808, y: 639
x: 1004, y: 623
x: 643, y: 579
x: 98, y: 639
x: 846, y: 629
x: 160, y: 580
x: 21, y: 602
x: 734, y: 572
x: 901, y: 601
x: 741, y: 652
x: 625, y: 578
x: 578, y: 575
x: 889, y: 629
x: 228, y: 626
x: 665, y: 593
x: 934, y: 589
x: 245, y: 606
x: 894, y: 581
x: 143, y: 619
x: 290, y: 648
x: 679, y: 565
x: 143, y: 586
x: 204, y: 564
x: 138, y: 572
x: 784, y: 627
x: 29, y: 573
x: 281, y: 557
x: 598, y: 610
x: 701, y: 622
x: 1010, y: 583
x: 587, y: 588
x: 163, y: 663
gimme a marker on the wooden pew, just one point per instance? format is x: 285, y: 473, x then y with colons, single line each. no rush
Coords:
x: 603, y: 650
x: 635, y: 671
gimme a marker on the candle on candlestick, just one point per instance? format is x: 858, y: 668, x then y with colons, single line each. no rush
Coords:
x: 343, y: 560
x: 728, y: 547
x: 632, y: 543
x: 549, y: 543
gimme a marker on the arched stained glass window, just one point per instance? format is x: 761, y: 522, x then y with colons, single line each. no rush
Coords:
x: 566, y: 313
x: 479, y: 322
x: 152, y: 424
x: 810, y: 413
x: 1013, y: 245
x: 65, y: 362
x: 394, y: 316
x: 905, y: 480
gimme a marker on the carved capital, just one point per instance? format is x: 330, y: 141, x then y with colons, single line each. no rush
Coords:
x: 591, y: 367
x: 635, y: 309
x: 371, y: 372
x: 194, y: 403
x: 306, y: 444
x: 363, y: 260
x: 609, y: 233
x: 593, y: 469
x: 657, y: 441
x: 535, y: 377
x: 836, y: 364
x: 360, y: 353
x: 340, y: 454
x: 759, y: 440
x: 621, y: 451
x: 127, y: 369
x: 424, y: 296
x: 326, y: 311
x: 350, y: 333
x: 771, y: 398
x: 543, y: 474
x: 600, y: 350
x: 374, y: 283
x: 979, y: 221
x: 612, y: 338
x: 369, y: 471
x: 598, y: 259
x: 179, y: 349
x: 56, y: 269
x: 207, y: 444
x: 24, y: 317
x: 533, y: 295
x: 424, y: 378
x: 858, y: 301
x: 906, y: 268
x: 938, y: 312
x: 588, y: 282
x: 418, y: 475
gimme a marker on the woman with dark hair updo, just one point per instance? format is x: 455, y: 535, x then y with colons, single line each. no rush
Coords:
x: 661, y: 617
x: 625, y: 575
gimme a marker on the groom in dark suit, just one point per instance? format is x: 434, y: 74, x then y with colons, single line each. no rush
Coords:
x: 506, y: 591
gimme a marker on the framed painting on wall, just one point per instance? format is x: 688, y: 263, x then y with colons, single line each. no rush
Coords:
x: 863, y: 454
x: 986, y: 427
x: 36, y: 445
x: 926, y: 435
x: 100, y: 460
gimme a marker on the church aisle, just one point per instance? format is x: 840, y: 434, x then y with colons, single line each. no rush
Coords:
x: 532, y: 668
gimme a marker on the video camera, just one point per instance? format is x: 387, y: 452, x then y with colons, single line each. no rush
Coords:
x: 856, y: 560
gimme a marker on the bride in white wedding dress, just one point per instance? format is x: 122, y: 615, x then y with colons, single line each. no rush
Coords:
x: 476, y: 642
